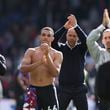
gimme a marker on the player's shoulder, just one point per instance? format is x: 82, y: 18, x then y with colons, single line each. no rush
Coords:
x: 57, y: 51
x: 30, y: 51
x: 33, y: 49
x: 58, y: 54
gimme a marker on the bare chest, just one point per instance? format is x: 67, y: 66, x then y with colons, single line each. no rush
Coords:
x: 38, y: 55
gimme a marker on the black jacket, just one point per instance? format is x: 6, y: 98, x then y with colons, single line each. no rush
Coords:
x: 72, y: 69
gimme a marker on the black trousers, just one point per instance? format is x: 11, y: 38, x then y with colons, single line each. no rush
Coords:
x: 39, y: 98
x: 102, y: 105
x: 77, y: 94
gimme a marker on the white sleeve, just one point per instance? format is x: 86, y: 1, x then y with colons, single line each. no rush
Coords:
x: 92, y: 45
x: 108, y: 25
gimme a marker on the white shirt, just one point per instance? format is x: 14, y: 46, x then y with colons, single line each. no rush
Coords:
x: 99, y: 54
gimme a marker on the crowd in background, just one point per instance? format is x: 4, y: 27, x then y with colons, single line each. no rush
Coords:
x: 21, y: 21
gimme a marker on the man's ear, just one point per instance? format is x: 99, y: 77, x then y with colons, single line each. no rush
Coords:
x: 102, y: 41
x: 52, y: 38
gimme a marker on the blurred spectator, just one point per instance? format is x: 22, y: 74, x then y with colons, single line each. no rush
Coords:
x: 2, y: 72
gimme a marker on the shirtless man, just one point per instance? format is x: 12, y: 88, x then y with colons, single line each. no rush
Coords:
x: 43, y: 63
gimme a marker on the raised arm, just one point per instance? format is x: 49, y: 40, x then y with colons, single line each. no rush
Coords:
x: 94, y: 35
x: 60, y: 34
x: 73, y: 23
x: 3, y: 67
x: 93, y: 46
x: 81, y: 34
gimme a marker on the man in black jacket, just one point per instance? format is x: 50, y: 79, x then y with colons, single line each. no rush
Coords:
x: 102, y: 80
x: 71, y: 78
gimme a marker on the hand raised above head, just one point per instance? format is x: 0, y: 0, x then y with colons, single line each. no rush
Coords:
x: 71, y: 22
x: 106, y: 18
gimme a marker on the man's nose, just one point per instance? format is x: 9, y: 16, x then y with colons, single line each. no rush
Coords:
x: 108, y: 40
x: 45, y: 36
